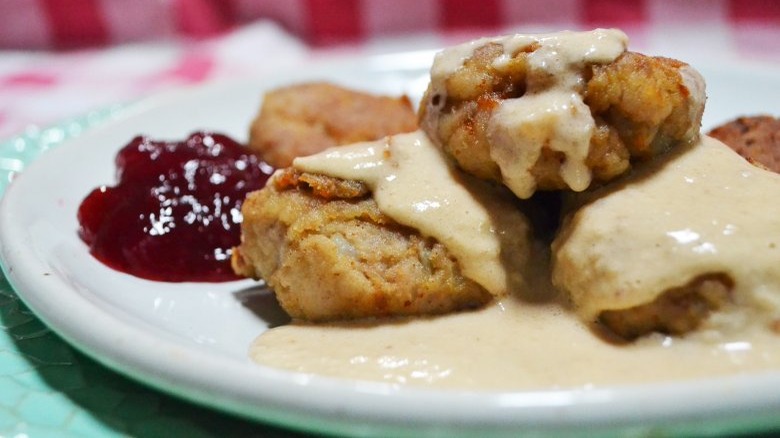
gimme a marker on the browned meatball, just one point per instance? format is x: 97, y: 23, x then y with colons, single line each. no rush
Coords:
x: 328, y: 252
x: 757, y: 138
x: 676, y: 311
x: 304, y: 119
x: 685, y: 245
x: 640, y: 106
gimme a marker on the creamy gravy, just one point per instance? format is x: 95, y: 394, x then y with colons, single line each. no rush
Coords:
x: 413, y: 183
x: 513, y: 345
x: 516, y: 344
x: 705, y: 210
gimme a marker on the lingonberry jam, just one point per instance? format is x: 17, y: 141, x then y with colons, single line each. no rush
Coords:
x: 175, y: 212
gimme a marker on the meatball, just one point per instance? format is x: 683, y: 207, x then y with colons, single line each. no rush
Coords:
x: 516, y: 114
x: 688, y: 243
x: 329, y: 254
x: 757, y: 138
x: 677, y: 311
x: 304, y: 119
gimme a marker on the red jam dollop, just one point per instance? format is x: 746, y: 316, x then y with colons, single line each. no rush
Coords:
x: 175, y: 214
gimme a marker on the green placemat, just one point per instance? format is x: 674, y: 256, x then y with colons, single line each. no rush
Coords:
x: 48, y: 389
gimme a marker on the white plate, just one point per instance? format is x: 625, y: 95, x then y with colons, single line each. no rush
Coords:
x: 192, y: 339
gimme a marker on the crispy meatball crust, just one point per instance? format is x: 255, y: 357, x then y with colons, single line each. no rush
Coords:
x: 675, y: 312
x: 304, y: 119
x: 642, y: 106
x: 329, y: 254
x: 757, y: 138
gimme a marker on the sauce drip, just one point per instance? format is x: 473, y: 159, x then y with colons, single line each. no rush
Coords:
x: 175, y: 213
x: 550, y: 114
x: 413, y: 183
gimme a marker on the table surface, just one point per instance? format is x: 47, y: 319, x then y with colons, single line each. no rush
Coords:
x: 49, y: 389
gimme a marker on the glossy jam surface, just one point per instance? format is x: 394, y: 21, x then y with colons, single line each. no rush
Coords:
x: 175, y: 212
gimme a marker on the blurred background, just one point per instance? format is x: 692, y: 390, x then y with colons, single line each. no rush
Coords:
x: 60, y: 58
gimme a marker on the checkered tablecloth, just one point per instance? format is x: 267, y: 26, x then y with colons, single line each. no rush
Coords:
x: 60, y: 58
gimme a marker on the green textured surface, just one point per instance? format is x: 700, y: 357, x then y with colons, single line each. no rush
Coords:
x: 48, y: 389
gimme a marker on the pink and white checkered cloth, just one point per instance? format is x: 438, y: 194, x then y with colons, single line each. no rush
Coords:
x: 73, y: 23
x: 60, y: 58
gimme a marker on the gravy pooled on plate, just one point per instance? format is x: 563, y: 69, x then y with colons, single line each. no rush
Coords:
x: 617, y: 130
x: 524, y: 344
